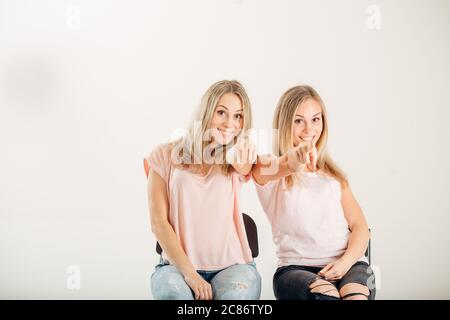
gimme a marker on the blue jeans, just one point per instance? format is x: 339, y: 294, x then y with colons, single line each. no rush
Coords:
x: 236, y: 282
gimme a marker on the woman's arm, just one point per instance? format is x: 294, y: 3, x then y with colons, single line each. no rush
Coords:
x: 269, y: 167
x: 164, y: 233
x: 360, y: 235
x: 358, y: 240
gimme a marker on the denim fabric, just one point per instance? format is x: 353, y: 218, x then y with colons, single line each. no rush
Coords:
x: 293, y: 282
x: 236, y: 282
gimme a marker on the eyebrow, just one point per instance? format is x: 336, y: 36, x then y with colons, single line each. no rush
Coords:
x: 227, y: 108
x: 299, y: 115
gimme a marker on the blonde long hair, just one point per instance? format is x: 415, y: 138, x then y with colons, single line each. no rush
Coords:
x: 283, y: 120
x: 188, y: 152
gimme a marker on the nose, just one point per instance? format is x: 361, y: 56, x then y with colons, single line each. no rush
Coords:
x: 229, y: 122
x: 307, y: 128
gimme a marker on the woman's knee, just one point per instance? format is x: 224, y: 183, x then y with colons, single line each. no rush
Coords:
x: 323, y: 290
x: 354, y: 291
x: 167, y: 283
x: 298, y: 284
x: 240, y: 282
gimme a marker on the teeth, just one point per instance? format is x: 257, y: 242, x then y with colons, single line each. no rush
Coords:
x: 306, y: 139
x: 227, y: 132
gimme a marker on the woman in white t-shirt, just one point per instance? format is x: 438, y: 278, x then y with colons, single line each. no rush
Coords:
x: 318, y: 227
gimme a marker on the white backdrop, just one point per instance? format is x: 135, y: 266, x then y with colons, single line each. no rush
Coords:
x: 88, y: 88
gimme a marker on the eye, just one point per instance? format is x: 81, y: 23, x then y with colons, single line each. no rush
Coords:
x: 316, y: 119
x: 238, y: 116
x: 221, y: 112
x: 297, y: 121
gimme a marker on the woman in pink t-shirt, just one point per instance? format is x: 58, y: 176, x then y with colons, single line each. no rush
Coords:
x: 194, y: 200
x: 318, y: 227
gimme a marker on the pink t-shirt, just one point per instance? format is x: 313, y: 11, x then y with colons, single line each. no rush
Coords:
x: 308, y: 223
x: 204, y: 211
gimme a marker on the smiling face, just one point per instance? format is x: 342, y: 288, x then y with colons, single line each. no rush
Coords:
x: 308, y: 122
x: 227, y: 118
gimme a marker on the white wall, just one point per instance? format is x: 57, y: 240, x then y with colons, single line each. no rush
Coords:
x: 88, y: 88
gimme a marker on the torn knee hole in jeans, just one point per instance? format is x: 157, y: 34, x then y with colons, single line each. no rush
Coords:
x: 318, y: 285
x: 355, y: 291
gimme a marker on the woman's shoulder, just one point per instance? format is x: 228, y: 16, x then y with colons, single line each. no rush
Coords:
x: 159, y: 159
x: 162, y: 150
x: 163, y: 147
x: 161, y: 154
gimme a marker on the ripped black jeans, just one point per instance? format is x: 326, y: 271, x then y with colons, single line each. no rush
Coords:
x: 293, y: 282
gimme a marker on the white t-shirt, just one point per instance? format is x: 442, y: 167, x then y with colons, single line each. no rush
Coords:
x: 308, y: 223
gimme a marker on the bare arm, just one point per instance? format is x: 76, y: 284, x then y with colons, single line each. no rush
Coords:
x: 164, y: 233
x: 359, y: 237
x: 269, y: 168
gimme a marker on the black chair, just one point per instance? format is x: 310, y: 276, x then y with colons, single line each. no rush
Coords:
x: 252, y: 236
x: 368, y: 253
